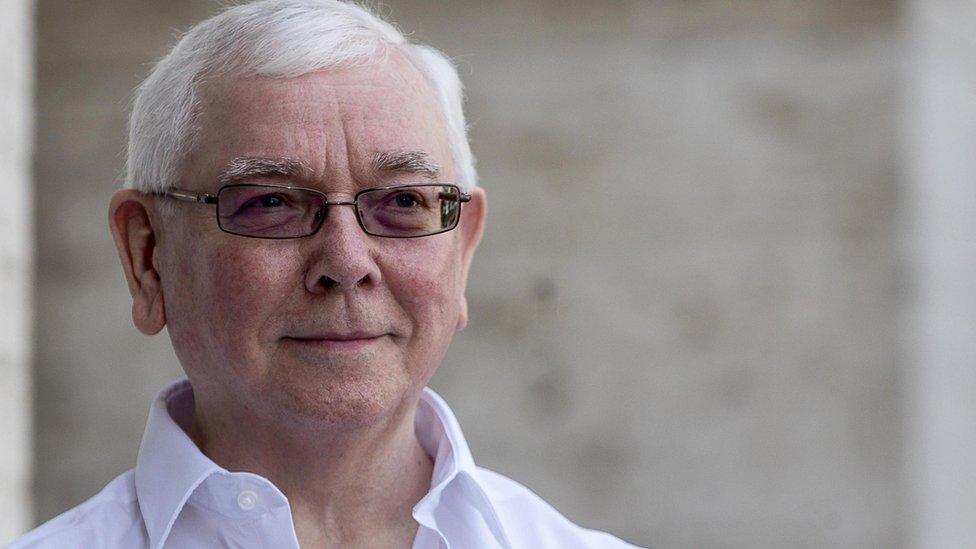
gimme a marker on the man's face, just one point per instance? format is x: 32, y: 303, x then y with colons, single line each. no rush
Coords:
x: 340, y: 326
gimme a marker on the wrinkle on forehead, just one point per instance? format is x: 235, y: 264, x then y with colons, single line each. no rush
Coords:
x: 383, y: 107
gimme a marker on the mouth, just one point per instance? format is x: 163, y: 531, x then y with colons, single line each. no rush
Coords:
x: 338, y: 342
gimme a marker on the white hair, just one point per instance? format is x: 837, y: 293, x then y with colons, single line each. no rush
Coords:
x: 280, y: 39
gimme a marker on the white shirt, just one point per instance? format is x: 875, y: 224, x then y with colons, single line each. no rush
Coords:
x: 177, y: 497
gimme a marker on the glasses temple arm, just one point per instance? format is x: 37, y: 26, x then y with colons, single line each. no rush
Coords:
x: 463, y: 197
x: 184, y: 196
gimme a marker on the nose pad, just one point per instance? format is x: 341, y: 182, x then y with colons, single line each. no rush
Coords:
x: 332, y: 212
x: 323, y: 214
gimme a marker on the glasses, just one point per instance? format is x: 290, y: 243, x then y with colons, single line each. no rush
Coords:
x: 281, y: 211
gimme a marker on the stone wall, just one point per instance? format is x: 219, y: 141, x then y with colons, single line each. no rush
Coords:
x: 16, y: 263
x: 686, y: 312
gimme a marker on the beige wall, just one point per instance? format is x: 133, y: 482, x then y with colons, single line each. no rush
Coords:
x: 16, y: 265
x: 686, y: 312
x: 941, y: 243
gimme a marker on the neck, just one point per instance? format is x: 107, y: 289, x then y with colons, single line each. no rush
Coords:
x: 346, y: 487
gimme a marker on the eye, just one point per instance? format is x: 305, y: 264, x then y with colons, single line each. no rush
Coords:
x: 406, y: 200
x: 271, y: 201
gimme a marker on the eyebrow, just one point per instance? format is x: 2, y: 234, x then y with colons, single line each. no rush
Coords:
x: 245, y: 167
x: 417, y: 162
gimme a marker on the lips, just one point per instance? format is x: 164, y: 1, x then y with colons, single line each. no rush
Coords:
x: 336, y: 341
x: 337, y: 336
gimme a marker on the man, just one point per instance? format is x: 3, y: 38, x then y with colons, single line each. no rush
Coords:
x: 301, y: 214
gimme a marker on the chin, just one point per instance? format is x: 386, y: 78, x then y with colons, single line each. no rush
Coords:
x: 344, y: 403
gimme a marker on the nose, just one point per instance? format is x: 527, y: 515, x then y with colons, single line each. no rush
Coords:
x: 342, y: 254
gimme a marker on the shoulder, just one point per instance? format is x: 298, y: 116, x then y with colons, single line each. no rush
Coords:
x: 531, y: 522
x: 109, y: 519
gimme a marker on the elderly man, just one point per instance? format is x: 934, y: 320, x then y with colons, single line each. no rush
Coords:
x: 301, y: 214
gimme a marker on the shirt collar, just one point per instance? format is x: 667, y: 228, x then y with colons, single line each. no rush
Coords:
x: 170, y: 467
x: 457, y: 507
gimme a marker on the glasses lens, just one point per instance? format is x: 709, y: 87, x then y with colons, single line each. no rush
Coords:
x: 268, y: 211
x: 410, y: 210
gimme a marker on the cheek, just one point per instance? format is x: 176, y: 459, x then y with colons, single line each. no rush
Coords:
x: 245, y: 283
x: 428, y: 287
x: 232, y: 290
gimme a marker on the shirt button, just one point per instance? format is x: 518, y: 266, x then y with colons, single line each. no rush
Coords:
x: 247, y: 499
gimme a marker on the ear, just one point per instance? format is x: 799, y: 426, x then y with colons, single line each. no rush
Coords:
x: 471, y: 228
x: 135, y: 238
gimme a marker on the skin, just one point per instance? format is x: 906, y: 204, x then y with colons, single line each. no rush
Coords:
x: 257, y: 324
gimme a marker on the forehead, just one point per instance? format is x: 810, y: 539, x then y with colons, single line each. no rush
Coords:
x: 335, y: 121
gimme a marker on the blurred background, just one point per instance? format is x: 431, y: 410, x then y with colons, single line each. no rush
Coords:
x: 726, y: 296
